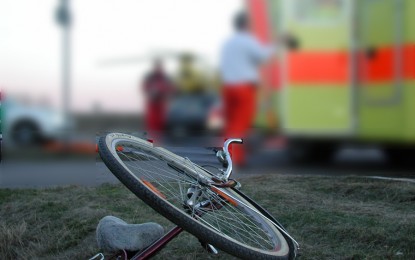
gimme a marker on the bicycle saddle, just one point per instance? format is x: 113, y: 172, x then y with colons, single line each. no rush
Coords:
x: 114, y: 234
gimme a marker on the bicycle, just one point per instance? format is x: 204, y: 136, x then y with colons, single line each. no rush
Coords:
x: 208, y: 205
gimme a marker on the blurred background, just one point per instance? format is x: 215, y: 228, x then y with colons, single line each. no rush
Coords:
x: 340, y: 92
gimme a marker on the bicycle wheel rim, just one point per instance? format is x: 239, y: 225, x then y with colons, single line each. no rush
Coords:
x: 227, y: 224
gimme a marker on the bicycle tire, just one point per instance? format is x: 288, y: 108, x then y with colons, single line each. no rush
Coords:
x: 109, y: 146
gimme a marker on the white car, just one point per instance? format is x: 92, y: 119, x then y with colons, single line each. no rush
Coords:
x: 1, y: 130
x: 27, y: 124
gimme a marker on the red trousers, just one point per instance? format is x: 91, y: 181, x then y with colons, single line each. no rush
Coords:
x: 155, y: 117
x: 240, y: 108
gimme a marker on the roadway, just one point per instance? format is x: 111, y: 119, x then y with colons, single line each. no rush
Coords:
x: 92, y: 172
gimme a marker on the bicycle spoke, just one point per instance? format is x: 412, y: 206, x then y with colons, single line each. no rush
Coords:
x: 233, y: 221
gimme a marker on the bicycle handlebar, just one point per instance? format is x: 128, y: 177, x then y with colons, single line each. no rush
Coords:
x: 228, y: 142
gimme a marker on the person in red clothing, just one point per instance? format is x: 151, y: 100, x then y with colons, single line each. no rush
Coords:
x: 157, y: 88
x: 240, y: 60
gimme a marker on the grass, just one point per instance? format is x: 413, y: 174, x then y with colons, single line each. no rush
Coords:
x: 331, y: 217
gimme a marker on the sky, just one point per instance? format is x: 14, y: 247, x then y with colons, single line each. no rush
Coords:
x: 30, y: 45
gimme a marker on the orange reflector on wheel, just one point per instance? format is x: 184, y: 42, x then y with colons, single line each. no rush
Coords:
x: 154, y: 189
x: 224, y: 195
x: 120, y: 148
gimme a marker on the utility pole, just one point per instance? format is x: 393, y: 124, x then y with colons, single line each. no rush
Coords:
x: 63, y: 18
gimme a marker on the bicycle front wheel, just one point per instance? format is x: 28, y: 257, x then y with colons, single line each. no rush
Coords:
x: 176, y: 188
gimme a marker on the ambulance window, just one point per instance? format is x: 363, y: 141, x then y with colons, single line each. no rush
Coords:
x: 321, y: 12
